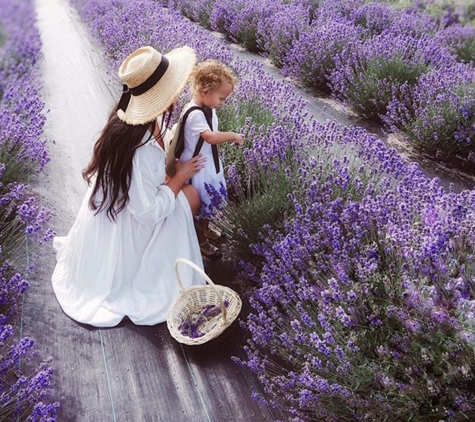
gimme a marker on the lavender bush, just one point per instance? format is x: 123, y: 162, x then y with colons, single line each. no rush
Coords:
x: 311, y: 59
x: 336, y: 10
x: 460, y: 40
x: 442, y: 114
x: 22, y: 396
x: 374, y: 18
x: 384, y: 68
x: 311, y: 6
x: 239, y: 20
x: 267, y: 112
x: 280, y: 30
x: 259, y: 193
x: 365, y: 303
x: 22, y: 392
x: 22, y: 221
x: 196, y: 10
x: 414, y: 23
x: 24, y: 385
x: 361, y: 268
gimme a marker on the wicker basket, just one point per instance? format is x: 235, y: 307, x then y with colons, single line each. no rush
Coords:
x: 193, y: 303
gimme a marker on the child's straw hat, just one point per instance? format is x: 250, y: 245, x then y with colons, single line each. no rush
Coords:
x: 152, y: 82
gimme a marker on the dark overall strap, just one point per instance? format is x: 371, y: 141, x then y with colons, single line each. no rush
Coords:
x: 214, y: 148
x: 181, y: 135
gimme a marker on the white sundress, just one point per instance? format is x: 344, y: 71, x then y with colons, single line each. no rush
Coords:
x: 195, y: 124
x: 108, y: 270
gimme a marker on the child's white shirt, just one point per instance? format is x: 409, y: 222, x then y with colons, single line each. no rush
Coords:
x: 195, y: 124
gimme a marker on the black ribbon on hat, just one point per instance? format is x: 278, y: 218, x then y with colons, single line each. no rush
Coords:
x: 144, y: 86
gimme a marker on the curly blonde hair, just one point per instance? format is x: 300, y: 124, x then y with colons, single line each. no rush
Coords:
x: 210, y: 75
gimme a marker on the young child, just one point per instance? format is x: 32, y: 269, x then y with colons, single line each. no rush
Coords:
x: 212, y: 83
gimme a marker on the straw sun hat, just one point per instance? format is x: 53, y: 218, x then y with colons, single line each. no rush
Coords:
x: 152, y: 82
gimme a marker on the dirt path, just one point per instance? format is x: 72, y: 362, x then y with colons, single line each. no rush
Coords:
x: 127, y: 373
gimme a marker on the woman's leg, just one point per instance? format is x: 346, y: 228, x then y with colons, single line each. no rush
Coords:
x: 193, y: 198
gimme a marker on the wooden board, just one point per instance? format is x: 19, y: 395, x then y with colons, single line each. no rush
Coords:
x: 137, y: 373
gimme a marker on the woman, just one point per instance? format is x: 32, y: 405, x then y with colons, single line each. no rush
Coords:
x: 118, y: 258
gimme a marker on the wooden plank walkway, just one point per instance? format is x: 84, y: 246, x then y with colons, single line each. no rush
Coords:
x: 134, y: 373
x: 127, y: 373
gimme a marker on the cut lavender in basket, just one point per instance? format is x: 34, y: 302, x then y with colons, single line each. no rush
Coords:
x: 191, y: 326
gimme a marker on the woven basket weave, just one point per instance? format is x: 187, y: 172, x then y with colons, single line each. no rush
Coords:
x: 192, y: 301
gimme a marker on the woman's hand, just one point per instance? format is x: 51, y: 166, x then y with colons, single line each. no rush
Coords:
x: 184, y: 172
x: 190, y: 168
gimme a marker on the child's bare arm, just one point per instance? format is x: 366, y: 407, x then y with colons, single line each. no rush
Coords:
x: 222, y: 137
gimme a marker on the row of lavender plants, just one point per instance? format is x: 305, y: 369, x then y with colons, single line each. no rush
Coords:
x: 359, y: 270
x: 461, y: 10
x: 24, y: 382
x: 405, y: 68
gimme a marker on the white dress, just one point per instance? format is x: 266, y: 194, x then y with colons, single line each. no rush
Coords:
x: 107, y: 270
x: 195, y: 124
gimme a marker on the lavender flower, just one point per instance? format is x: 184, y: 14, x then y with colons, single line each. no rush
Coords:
x: 24, y: 153
x: 200, y: 320
x: 362, y: 269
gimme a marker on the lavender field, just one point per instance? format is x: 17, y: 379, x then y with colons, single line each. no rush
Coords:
x: 358, y: 269
x: 25, y: 377
x: 407, y: 65
x: 361, y: 270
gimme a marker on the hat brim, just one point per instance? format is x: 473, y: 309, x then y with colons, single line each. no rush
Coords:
x: 153, y: 103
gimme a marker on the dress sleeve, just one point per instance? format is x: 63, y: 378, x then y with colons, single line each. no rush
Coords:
x: 195, y: 124
x: 150, y: 200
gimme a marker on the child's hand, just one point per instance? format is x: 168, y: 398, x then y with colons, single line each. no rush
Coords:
x: 191, y: 167
x: 238, y: 139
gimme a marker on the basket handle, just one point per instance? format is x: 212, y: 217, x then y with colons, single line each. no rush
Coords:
x: 205, y: 276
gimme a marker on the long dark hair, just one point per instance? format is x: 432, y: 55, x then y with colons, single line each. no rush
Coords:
x: 111, y: 162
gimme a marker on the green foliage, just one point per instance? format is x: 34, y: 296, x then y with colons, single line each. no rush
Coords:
x: 465, y: 50
x: 12, y: 230
x: 313, y: 6
x: 242, y: 117
x: 379, y: 82
x: 12, y: 237
x: 247, y: 36
x: 204, y: 14
x: 261, y: 199
x: 470, y: 15
x: 234, y: 116
x: 16, y: 168
x: 456, y: 135
x: 255, y: 210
